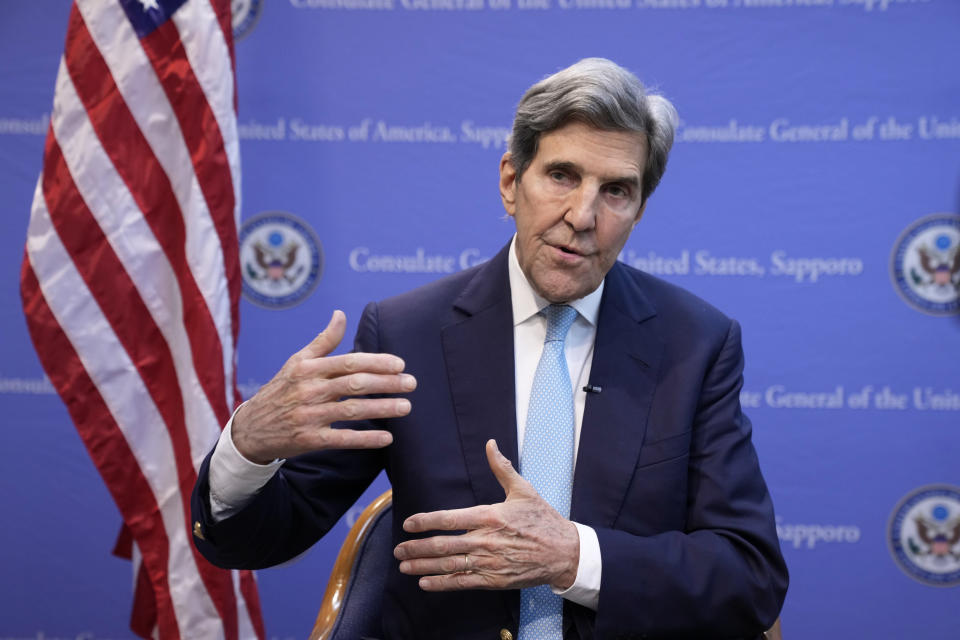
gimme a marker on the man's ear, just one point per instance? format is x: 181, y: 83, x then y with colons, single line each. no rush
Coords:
x: 508, y: 184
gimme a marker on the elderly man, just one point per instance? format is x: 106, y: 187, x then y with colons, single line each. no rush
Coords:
x: 563, y: 433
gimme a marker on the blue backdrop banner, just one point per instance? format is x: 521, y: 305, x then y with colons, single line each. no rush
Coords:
x: 813, y: 194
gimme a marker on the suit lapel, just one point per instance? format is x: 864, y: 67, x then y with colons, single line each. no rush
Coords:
x: 478, y: 348
x: 626, y: 360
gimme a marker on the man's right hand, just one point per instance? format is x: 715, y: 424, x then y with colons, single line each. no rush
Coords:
x: 292, y: 413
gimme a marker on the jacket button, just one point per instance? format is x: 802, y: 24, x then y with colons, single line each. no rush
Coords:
x: 505, y: 634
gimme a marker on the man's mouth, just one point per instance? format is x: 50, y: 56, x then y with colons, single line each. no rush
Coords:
x: 568, y: 250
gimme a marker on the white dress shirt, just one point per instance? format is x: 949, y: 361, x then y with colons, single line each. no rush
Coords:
x: 234, y: 480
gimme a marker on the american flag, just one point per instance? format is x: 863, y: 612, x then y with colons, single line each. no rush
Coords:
x: 131, y: 282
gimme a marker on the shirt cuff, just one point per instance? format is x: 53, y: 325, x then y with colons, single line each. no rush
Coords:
x: 585, y: 589
x: 234, y: 480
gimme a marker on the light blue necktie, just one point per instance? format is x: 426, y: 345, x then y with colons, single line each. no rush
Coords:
x: 547, y: 460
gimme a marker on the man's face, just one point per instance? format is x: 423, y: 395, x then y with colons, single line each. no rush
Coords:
x: 574, y: 207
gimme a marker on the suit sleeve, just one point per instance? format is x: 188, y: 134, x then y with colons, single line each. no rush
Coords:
x: 300, y: 504
x: 724, y: 571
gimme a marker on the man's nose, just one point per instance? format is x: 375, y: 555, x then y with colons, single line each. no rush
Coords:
x: 582, y: 208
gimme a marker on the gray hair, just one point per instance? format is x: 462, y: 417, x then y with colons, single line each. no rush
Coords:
x: 604, y: 95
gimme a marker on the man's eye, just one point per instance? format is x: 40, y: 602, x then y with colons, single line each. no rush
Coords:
x: 558, y: 176
x: 617, y: 191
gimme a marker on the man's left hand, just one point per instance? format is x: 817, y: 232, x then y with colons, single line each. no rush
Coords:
x: 520, y: 542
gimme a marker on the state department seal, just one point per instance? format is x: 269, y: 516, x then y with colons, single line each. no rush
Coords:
x: 281, y: 258
x: 925, y: 264
x: 244, y: 15
x: 924, y: 535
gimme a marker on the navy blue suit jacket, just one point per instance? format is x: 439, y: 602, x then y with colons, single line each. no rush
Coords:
x: 666, y: 473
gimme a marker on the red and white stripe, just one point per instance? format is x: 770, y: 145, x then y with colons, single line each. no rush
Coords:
x: 131, y: 285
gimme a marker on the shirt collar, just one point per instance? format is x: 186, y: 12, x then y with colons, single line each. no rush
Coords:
x: 527, y: 303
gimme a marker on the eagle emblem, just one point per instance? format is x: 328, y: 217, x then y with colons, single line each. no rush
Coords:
x: 942, y: 268
x: 924, y: 535
x: 275, y: 263
x: 925, y: 264
x: 938, y: 539
x: 281, y: 257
